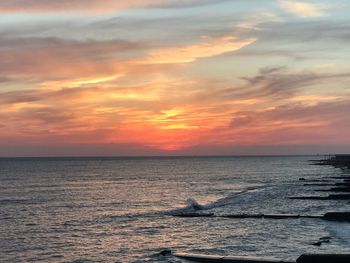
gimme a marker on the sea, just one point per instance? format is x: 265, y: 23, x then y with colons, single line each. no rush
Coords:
x: 116, y: 209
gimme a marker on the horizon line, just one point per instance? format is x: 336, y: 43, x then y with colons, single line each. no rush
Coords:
x: 165, y: 156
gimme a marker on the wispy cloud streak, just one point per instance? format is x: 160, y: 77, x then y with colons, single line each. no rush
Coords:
x: 90, y: 6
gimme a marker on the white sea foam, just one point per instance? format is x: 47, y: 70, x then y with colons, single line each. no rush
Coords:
x: 193, y: 205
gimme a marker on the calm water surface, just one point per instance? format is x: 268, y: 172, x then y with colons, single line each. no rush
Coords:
x: 119, y: 209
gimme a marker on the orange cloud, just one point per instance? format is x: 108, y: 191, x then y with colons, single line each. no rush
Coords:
x: 163, y: 114
x: 117, y: 92
x: 95, y: 115
x: 61, y: 63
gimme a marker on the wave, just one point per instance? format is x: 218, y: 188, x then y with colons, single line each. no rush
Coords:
x: 10, y: 201
x: 193, y: 206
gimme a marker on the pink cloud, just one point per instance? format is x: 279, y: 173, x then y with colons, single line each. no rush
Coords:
x: 91, y: 6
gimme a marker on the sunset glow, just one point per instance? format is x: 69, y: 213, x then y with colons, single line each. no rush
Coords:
x: 173, y: 77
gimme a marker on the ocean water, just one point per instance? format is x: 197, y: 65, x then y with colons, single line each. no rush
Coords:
x: 120, y: 209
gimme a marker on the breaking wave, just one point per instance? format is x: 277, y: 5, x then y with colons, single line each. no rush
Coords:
x: 192, y: 205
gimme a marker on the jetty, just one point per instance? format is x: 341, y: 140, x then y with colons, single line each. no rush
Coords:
x: 330, y: 216
x: 337, y: 189
x: 305, y: 258
x: 337, y: 160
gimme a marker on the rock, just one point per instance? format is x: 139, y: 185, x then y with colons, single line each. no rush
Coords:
x: 194, y: 214
x: 324, y: 258
x: 329, y: 197
x: 337, y: 216
x: 339, y: 197
x: 165, y: 252
x: 321, y: 241
x: 267, y: 216
x: 334, y: 189
x: 227, y: 259
x: 281, y: 216
x: 245, y: 216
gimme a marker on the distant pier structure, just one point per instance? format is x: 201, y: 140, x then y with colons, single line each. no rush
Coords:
x: 338, y: 160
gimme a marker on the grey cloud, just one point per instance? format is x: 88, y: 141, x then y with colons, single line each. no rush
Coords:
x: 177, y: 27
x: 300, y: 40
x: 54, y: 58
x: 4, y: 79
x: 303, y: 32
x: 47, y: 116
x: 278, y: 83
x: 271, y: 70
x: 331, y: 112
x: 19, y: 96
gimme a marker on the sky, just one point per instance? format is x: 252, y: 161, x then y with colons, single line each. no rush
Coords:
x: 174, y: 77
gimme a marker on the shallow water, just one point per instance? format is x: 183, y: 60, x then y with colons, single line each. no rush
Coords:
x: 119, y: 209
